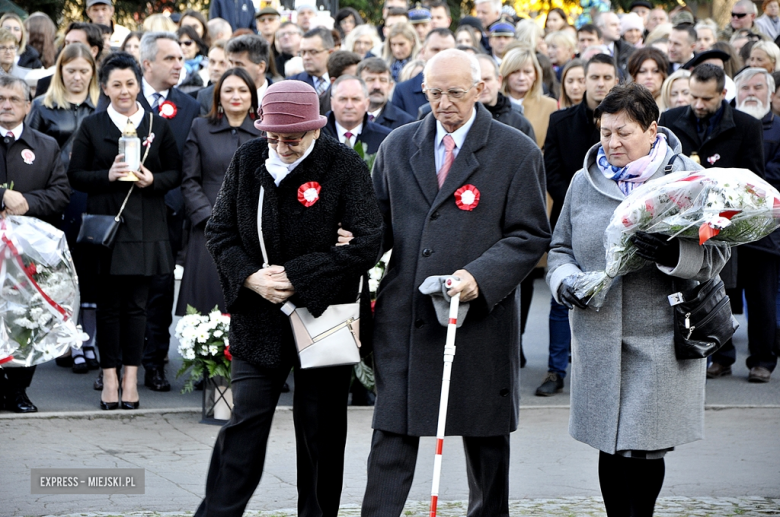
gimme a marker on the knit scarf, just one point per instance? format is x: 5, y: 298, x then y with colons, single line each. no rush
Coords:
x: 637, y: 172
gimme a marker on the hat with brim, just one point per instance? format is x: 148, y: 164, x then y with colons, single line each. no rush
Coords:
x: 90, y: 3
x: 290, y: 107
x: 267, y: 10
x: 471, y: 21
x: 704, y: 56
x: 419, y: 15
x: 502, y: 28
x: 640, y: 3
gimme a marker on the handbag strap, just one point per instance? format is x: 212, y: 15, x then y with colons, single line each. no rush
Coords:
x: 668, y: 167
x: 122, y: 208
x: 262, y: 240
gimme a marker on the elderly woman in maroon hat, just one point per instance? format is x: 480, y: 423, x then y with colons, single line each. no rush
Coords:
x: 313, y: 187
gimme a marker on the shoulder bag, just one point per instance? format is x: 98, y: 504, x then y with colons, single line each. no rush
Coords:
x: 101, y: 230
x: 333, y: 338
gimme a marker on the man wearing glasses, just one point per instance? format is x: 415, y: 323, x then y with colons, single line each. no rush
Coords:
x: 461, y: 195
x: 743, y: 16
x: 316, y: 47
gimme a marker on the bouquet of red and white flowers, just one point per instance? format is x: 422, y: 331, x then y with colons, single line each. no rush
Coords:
x: 39, y: 293
x: 204, y: 344
x: 725, y: 207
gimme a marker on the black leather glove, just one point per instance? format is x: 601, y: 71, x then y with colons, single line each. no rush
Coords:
x: 656, y: 248
x: 569, y: 299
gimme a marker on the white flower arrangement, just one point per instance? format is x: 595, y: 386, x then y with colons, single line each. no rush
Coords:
x: 204, y: 345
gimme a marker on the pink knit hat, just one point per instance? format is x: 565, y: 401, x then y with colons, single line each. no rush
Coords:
x: 290, y: 107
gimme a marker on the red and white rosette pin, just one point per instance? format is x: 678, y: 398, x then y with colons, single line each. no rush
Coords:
x: 309, y: 193
x: 28, y: 156
x: 467, y: 197
x: 168, y: 110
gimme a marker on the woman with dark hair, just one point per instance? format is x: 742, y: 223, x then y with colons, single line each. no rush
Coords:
x: 346, y: 20
x: 41, y: 32
x: 649, y: 67
x: 141, y: 248
x: 195, y: 52
x: 649, y: 402
x: 572, y: 84
x: 210, y: 146
x: 198, y: 22
x: 132, y: 44
x: 556, y: 20
x: 72, y: 97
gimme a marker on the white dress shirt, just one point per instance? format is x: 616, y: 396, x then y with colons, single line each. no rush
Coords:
x: 120, y: 120
x: 149, y: 92
x: 17, y: 131
x: 458, y: 136
x: 343, y: 137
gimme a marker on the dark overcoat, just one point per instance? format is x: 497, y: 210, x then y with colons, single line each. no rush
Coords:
x: 393, y: 117
x: 39, y: 176
x: 408, y: 95
x: 300, y: 238
x: 141, y: 246
x: 499, y: 243
x: 372, y: 134
x: 207, y: 155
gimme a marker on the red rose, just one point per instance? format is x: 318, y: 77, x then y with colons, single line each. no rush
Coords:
x: 228, y: 354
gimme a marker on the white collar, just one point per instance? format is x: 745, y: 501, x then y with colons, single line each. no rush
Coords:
x: 149, y: 92
x: 120, y: 121
x: 278, y: 169
x: 17, y: 131
x: 340, y: 130
x: 261, y: 92
x: 376, y: 113
x: 459, y: 135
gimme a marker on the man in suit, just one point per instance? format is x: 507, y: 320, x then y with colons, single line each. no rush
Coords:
x: 609, y: 23
x: 682, y: 41
x: 427, y: 176
x: 250, y: 52
x: 240, y: 14
x: 162, y: 62
x: 376, y: 74
x: 31, y: 162
x: 408, y: 95
x: 570, y: 134
x: 316, y: 47
x: 77, y: 32
x: 348, y: 122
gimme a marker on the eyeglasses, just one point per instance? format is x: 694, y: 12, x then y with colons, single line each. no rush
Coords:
x: 302, y: 53
x: 7, y: 49
x: 186, y: 43
x: 738, y: 15
x: 288, y: 143
x: 434, y: 94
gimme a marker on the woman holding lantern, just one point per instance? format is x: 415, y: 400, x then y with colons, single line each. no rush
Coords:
x: 141, y: 248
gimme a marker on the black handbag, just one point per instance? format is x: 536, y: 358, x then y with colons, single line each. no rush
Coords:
x: 702, y: 320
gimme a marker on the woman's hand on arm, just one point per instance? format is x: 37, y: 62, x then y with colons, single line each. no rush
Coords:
x: 119, y: 168
x: 145, y: 177
x: 271, y: 283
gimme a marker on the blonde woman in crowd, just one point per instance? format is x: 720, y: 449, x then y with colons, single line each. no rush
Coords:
x: 28, y: 56
x: 522, y: 83
x: 401, y: 46
x: 706, y: 34
x: 363, y: 40
x: 159, y: 22
x: 675, y: 91
x: 764, y: 54
x: 528, y: 33
x: 561, y: 48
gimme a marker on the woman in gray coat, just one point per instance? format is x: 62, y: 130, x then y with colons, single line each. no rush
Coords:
x: 630, y: 397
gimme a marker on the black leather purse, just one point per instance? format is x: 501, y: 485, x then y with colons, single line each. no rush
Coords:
x: 101, y: 229
x: 702, y: 320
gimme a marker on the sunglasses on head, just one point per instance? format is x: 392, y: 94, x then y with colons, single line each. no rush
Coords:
x: 738, y: 15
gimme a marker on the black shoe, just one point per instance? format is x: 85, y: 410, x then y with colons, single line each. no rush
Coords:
x: 18, y: 402
x: 551, y: 385
x: 98, y: 384
x: 66, y: 361
x: 131, y: 405
x: 92, y: 362
x: 155, y: 380
x: 80, y: 367
x: 108, y: 406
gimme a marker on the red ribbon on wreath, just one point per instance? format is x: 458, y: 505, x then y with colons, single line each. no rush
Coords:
x: 467, y: 197
x: 167, y: 109
x: 309, y: 193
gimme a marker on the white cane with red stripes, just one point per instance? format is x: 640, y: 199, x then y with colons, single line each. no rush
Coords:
x: 449, y: 356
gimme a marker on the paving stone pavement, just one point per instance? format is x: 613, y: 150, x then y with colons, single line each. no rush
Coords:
x: 561, y: 507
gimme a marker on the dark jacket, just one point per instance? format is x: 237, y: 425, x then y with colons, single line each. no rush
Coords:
x: 572, y: 131
x: 59, y: 123
x: 771, y: 125
x: 393, y: 117
x: 240, y: 14
x: 205, y: 98
x: 623, y: 51
x: 207, y: 155
x: 43, y: 85
x: 142, y: 246
x: 302, y: 239
x: 408, y: 95
x: 30, y: 58
x: 509, y: 113
x: 506, y: 232
x: 43, y: 181
x: 372, y: 134
x: 306, y: 77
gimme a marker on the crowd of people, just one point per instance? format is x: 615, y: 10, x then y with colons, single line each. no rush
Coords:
x: 548, y: 122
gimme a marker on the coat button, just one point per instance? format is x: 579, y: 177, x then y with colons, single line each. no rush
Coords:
x: 434, y: 216
x: 426, y: 252
x: 419, y: 323
x: 504, y: 392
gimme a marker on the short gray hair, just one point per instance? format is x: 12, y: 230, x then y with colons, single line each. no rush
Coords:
x: 343, y: 78
x: 148, y: 47
x: 11, y: 81
x: 495, y: 4
x: 476, y: 70
x: 748, y: 74
x: 749, y: 6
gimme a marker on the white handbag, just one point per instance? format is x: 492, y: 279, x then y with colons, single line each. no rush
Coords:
x: 332, y: 339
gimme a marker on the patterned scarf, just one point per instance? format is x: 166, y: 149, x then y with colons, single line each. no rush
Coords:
x: 637, y: 172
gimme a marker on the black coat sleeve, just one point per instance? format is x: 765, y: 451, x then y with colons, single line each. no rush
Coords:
x: 753, y: 152
x: 80, y: 173
x: 319, y: 277
x: 169, y: 176
x: 50, y: 201
x: 557, y: 181
x: 196, y: 203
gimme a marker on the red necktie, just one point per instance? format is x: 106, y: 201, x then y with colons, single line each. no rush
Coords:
x: 348, y: 138
x: 449, y: 157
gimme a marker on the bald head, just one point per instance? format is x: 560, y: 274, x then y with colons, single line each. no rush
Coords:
x: 452, y: 83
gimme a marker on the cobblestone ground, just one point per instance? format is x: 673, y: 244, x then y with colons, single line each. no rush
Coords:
x: 562, y: 507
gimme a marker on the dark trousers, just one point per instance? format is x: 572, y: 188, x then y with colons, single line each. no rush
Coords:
x: 560, y: 339
x: 391, y: 471
x: 320, y: 418
x: 758, y: 276
x: 159, y: 316
x: 630, y: 486
x: 12, y: 379
x: 121, y: 319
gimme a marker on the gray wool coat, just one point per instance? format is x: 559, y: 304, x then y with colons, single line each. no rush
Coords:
x: 499, y: 243
x: 628, y: 390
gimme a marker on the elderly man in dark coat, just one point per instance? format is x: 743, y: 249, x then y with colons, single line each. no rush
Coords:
x: 461, y: 194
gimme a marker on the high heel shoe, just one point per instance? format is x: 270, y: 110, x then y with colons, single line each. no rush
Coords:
x: 108, y: 406
x: 130, y: 405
